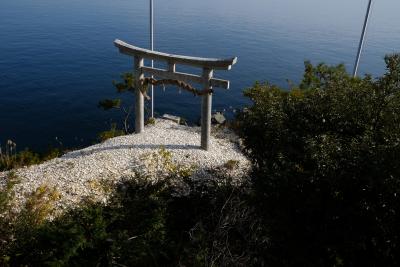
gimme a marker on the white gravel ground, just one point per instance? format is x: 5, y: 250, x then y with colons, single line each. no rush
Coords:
x: 80, y: 174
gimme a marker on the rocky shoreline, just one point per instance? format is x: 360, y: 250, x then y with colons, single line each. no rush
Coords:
x: 86, y: 173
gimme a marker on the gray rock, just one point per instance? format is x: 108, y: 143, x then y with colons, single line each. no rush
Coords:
x: 218, y: 118
x: 172, y: 118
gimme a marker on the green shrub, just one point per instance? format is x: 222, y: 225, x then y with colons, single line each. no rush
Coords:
x: 6, y: 192
x: 6, y: 229
x: 125, y: 86
x: 129, y: 230
x: 18, y: 225
x: 150, y: 121
x: 113, y: 132
x: 214, y: 225
x: 146, y: 223
x: 326, y: 167
x: 10, y: 158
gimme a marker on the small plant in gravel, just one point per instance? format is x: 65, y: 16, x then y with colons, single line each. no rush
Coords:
x: 231, y: 164
x: 150, y: 121
x: 172, y: 168
x: 103, y: 187
x: 39, y: 205
x: 160, y: 164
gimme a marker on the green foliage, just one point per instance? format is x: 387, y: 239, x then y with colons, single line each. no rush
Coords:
x: 17, y: 226
x: 126, y: 85
x: 6, y: 227
x: 146, y: 224
x: 113, y: 132
x: 150, y: 121
x: 52, y: 153
x: 59, y: 242
x: 108, y: 104
x: 10, y: 158
x: 6, y: 192
x: 39, y: 205
x: 6, y: 231
x: 231, y: 164
x: 326, y: 167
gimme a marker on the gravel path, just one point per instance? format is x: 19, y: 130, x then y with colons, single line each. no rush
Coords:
x: 81, y: 174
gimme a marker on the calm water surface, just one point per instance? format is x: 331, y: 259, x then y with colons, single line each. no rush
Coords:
x: 57, y: 59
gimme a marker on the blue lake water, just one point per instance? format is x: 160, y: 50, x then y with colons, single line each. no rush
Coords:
x: 57, y: 58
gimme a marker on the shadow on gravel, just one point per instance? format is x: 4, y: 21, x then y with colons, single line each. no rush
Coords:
x: 80, y: 153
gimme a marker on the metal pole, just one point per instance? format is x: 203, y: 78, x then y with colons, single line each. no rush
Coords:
x: 152, y: 48
x: 360, y: 47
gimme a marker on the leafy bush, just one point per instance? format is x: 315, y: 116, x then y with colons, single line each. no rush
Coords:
x: 18, y: 225
x: 147, y: 224
x: 6, y: 231
x: 6, y: 192
x: 326, y: 167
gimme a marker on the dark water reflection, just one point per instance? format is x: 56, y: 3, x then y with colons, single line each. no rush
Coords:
x: 57, y: 59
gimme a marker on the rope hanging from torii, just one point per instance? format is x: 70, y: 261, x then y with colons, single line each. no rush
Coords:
x: 145, y: 82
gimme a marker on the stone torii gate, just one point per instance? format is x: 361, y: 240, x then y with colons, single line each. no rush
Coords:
x: 180, y: 79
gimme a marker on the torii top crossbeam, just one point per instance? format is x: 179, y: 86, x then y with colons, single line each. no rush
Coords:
x: 207, y: 64
x: 212, y: 63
